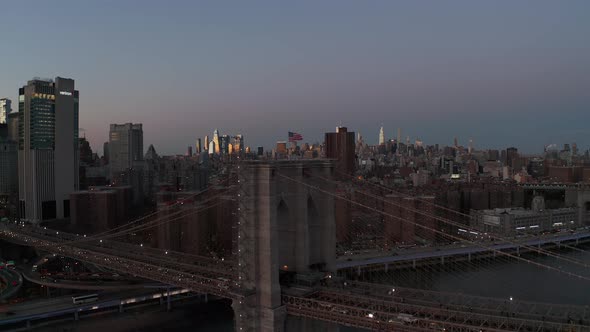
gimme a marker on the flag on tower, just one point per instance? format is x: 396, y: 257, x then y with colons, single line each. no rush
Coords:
x: 295, y: 137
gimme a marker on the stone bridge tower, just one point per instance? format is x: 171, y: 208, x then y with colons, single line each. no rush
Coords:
x: 284, y: 225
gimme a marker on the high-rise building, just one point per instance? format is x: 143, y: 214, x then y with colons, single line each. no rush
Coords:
x: 189, y: 151
x: 212, y: 147
x: 125, y: 147
x: 381, y: 136
x: 239, y: 142
x: 8, y: 167
x: 216, y: 140
x: 341, y: 146
x: 511, y: 154
x: 48, y: 156
x: 12, y: 126
x: 105, y: 152
x: 224, y: 142
x: 5, y: 109
x: 198, y: 148
x: 206, y: 146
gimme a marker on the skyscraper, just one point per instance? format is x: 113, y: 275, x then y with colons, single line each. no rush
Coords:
x: 216, y: 141
x: 5, y: 109
x: 125, y: 147
x: 340, y: 146
x: 381, y: 136
x: 206, y: 146
x: 198, y: 148
x: 12, y: 126
x: 224, y: 142
x: 212, y: 147
x: 48, y: 155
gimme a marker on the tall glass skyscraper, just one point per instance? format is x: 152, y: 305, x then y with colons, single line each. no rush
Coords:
x: 48, y: 155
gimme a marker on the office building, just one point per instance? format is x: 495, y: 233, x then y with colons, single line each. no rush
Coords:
x: 5, y: 109
x: 341, y: 146
x: 12, y: 126
x: 216, y: 141
x: 206, y: 145
x: 8, y: 167
x: 381, y: 136
x: 212, y: 147
x: 48, y: 155
x: 105, y: 152
x: 198, y: 148
x: 223, y: 144
x: 125, y: 147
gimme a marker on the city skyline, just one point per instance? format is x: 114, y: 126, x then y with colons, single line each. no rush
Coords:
x: 265, y: 72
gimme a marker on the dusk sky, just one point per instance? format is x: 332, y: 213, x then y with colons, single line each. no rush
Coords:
x: 499, y: 72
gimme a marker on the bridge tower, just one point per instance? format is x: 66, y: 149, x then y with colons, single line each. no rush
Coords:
x: 283, y: 225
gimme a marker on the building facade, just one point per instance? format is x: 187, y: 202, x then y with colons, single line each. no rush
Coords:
x: 125, y: 147
x: 341, y: 146
x: 48, y: 155
x: 5, y: 109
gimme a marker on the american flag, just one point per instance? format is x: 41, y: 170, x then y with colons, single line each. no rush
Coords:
x: 295, y: 137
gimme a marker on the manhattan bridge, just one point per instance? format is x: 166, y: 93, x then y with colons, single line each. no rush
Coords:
x: 287, y: 266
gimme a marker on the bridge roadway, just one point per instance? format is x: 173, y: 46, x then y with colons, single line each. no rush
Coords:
x: 378, y: 307
x: 361, y: 305
x: 207, y: 277
x: 454, y: 250
x: 76, y: 281
x: 54, y: 308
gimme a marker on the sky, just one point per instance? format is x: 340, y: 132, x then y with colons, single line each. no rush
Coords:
x: 501, y: 73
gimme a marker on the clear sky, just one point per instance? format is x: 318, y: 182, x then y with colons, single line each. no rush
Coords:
x: 499, y: 72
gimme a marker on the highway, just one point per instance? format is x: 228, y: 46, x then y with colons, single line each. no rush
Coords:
x: 60, y: 306
x: 59, y: 280
x: 453, y: 250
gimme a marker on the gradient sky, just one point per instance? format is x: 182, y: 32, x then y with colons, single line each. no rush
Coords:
x: 499, y: 72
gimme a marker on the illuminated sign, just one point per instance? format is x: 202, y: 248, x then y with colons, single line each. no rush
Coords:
x: 455, y: 176
x: 65, y: 93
